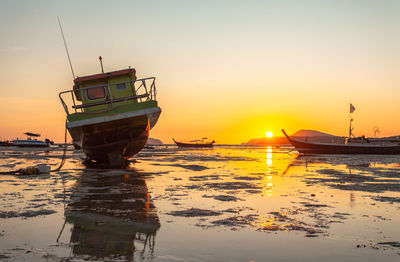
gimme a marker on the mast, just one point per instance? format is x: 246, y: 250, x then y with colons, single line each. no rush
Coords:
x: 350, y: 128
x: 352, y: 108
x: 101, y: 63
x: 66, y: 48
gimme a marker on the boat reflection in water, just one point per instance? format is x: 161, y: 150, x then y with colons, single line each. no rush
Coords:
x: 112, y: 217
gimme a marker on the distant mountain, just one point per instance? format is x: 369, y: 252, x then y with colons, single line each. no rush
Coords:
x: 153, y: 141
x: 392, y: 137
x: 318, y: 137
x: 308, y: 133
x: 277, y: 140
x: 303, y: 134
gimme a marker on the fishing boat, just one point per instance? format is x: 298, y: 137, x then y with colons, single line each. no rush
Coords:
x: 195, y: 143
x: 31, y: 141
x: 110, y: 115
x: 353, y: 146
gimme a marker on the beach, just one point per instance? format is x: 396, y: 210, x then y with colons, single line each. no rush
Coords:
x: 227, y: 203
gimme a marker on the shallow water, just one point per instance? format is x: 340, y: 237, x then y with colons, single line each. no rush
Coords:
x: 221, y: 204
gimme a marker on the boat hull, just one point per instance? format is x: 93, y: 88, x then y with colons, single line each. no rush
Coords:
x: 180, y: 144
x: 319, y: 148
x: 114, y: 141
x: 193, y: 145
x: 29, y: 143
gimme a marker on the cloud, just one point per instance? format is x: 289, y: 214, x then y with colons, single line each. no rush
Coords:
x: 13, y: 49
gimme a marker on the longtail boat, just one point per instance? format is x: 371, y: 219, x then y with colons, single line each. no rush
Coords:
x: 194, y: 143
x: 365, y: 147
x: 110, y: 115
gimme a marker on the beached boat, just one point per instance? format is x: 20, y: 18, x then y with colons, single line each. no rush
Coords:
x: 351, y: 147
x: 30, y: 141
x: 195, y: 143
x: 112, y: 114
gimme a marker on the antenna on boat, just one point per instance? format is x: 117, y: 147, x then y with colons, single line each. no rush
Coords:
x: 101, y: 63
x: 376, y: 131
x: 352, y: 109
x: 66, y: 48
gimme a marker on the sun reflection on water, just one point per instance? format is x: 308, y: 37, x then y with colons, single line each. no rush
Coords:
x: 269, y: 156
x: 267, y: 181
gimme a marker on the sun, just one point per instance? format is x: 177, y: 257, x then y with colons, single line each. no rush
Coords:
x: 269, y: 134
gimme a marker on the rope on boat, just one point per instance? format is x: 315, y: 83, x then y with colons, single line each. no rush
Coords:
x: 65, y: 151
x: 38, y: 170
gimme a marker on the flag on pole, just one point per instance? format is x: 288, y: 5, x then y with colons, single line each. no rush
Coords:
x: 352, y: 108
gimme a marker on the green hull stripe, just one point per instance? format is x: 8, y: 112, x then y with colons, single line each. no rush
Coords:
x: 112, y: 111
x: 114, y: 117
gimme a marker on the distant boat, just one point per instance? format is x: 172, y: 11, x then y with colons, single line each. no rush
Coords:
x: 195, y: 143
x: 353, y: 146
x: 31, y: 142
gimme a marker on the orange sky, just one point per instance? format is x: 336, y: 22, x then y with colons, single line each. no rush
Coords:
x: 227, y: 70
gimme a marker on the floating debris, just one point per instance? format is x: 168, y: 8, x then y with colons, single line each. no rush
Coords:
x: 194, y: 212
x: 26, y: 214
x: 223, y: 197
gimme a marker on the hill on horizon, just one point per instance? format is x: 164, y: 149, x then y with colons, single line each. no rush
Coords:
x: 312, y: 135
x: 309, y: 132
x: 154, y: 141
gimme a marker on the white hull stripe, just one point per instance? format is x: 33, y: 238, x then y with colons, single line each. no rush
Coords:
x: 102, y: 119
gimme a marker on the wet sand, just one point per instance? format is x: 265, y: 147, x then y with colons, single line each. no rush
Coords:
x: 220, y: 204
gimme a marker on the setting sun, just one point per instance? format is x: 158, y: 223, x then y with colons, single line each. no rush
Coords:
x: 269, y: 134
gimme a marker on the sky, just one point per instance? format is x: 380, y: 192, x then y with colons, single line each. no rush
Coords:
x: 227, y: 70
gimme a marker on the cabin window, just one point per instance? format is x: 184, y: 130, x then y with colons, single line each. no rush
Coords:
x: 96, y: 93
x: 121, y: 86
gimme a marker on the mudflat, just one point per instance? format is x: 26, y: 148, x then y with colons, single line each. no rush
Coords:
x: 227, y: 203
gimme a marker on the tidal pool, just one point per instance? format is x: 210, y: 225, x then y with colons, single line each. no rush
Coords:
x: 228, y: 203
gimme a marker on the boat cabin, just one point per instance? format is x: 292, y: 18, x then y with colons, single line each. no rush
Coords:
x: 100, y: 91
x: 106, y: 96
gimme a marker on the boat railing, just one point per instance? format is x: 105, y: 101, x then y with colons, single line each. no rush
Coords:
x: 144, y: 90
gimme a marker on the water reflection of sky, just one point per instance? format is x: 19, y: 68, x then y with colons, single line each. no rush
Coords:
x: 226, y: 204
